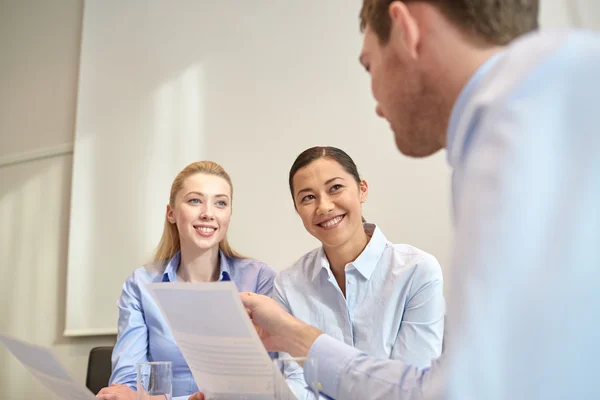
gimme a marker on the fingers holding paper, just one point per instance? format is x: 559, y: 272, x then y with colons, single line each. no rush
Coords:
x: 278, y: 330
x: 268, y: 317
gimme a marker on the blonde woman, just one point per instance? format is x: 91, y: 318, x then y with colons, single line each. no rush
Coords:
x: 193, y: 248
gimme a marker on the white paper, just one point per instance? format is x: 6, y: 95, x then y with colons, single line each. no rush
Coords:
x: 44, y: 365
x: 217, y: 339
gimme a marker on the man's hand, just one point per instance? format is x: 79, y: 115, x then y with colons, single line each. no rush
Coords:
x: 278, y: 330
x: 197, y: 396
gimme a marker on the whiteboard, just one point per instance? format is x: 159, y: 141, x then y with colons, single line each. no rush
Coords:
x: 249, y: 85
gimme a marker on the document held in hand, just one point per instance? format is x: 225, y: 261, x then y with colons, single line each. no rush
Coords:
x: 217, y: 339
x: 44, y: 365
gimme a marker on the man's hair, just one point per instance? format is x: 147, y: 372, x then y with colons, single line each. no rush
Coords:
x: 497, y: 22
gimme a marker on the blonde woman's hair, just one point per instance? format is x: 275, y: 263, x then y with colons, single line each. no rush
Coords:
x: 169, y: 242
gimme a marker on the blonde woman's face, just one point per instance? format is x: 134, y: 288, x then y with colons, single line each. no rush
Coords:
x: 201, y: 211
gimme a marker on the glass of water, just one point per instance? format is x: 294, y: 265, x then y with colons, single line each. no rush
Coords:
x: 154, y: 380
x: 293, y: 391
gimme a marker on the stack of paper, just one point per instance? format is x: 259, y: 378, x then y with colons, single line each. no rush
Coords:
x: 215, y: 336
x: 217, y: 339
x: 44, y: 365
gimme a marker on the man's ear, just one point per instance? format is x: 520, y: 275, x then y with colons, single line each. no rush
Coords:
x: 404, y: 28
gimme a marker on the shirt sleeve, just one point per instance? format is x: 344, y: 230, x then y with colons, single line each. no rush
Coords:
x: 346, y: 373
x: 132, y: 341
x: 421, y: 333
x: 264, y: 281
x: 292, y: 372
x: 526, y: 209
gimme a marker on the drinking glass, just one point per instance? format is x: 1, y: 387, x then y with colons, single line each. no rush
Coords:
x: 154, y: 380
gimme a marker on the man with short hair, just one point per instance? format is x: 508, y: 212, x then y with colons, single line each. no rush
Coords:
x: 519, y: 121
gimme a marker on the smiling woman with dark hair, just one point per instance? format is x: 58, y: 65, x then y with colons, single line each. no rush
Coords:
x: 384, y: 299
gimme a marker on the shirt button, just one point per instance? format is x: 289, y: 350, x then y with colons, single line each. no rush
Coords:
x: 350, y: 281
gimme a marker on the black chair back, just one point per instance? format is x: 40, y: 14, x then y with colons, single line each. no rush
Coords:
x: 99, y: 368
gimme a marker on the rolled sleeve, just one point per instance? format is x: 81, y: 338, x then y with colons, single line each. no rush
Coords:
x: 264, y: 281
x: 292, y: 371
x: 421, y: 333
x: 132, y: 342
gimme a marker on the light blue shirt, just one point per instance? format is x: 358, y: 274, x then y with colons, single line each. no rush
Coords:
x: 523, y: 315
x: 394, y: 304
x: 143, y: 332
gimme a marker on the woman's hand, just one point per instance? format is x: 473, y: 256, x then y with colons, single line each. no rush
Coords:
x: 123, y: 392
x: 117, y: 392
x: 197, y: 396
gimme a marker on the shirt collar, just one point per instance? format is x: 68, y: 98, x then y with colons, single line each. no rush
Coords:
x: 367, y: 260
x: 323, y: 264
x: 456, y: 136
x: 225, y: 267
x: 170, y: 274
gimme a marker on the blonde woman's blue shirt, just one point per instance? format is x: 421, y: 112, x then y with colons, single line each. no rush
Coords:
x: 143, y: 332
x: 394, y: 305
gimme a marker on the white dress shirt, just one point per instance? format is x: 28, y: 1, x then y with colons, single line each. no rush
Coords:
x: 524, y: 143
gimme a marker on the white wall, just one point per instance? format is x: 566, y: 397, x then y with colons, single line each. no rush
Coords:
x: 250, y: 94
x: 38, y: 78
